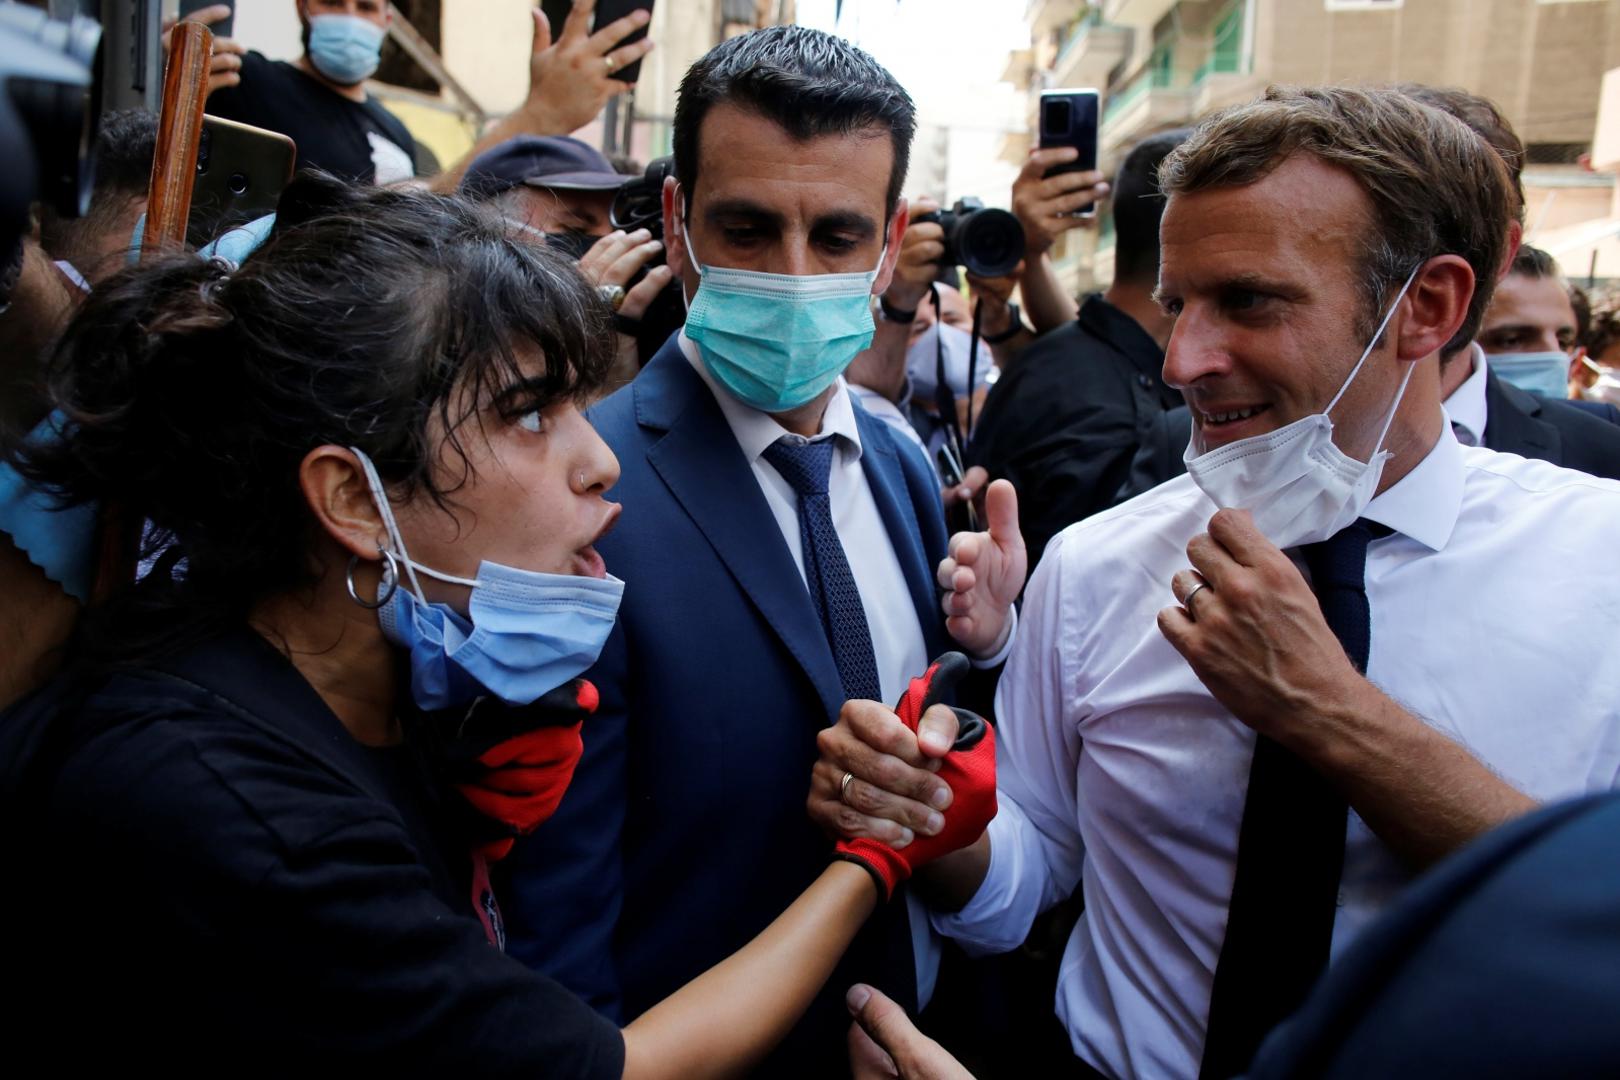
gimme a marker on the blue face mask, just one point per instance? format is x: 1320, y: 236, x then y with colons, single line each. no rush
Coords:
x: 776, y: 341
x: 345, y: 48
x: 1544, y: 373
x: 524, y: 633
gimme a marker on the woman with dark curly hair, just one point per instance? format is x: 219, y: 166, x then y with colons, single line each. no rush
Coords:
x: 372, y: 499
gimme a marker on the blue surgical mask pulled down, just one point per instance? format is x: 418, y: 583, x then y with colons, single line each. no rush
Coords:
x: 776, y: 341
x: 1544, y: 373
x: 525, y: 632
x: 345, y: 48
x: 1295, y: 481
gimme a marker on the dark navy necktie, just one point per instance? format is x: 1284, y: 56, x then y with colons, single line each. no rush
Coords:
x: 806, y: 467
x: 1279, y: 926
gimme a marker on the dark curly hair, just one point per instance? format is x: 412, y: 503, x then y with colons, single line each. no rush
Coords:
x: 192, y: 393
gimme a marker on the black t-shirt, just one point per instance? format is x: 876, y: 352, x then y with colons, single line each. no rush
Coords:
x: 355, y: 140
x: 224, y: 879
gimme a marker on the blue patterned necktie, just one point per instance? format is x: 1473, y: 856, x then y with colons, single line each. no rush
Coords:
x: 806, y: 467
x: 1279, y: 927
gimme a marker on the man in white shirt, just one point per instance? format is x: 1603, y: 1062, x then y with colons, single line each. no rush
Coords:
x: 1139, y: 744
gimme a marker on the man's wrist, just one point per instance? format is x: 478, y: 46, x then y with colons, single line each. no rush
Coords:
x: 997, y: 653
x: 897, y: 310
x: 1328, y: 729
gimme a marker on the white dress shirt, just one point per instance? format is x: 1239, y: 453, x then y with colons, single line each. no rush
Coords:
x: 1118, y: 769
x: 1467, y: 408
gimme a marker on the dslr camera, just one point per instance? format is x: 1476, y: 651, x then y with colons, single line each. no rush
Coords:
x: 985, y: 241
x: 640, y: 205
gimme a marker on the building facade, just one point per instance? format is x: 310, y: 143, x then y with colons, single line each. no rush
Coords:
x: 1163, y: 63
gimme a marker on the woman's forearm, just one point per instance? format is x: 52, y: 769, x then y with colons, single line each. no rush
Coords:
x: 729, y: 1017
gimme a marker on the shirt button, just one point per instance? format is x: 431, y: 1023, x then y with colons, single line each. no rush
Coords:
x: 1339, y: 899
x: 1145, y: 382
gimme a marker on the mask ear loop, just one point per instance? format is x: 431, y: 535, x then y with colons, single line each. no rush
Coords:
x: 387, y: 512
x: 1377, y: 336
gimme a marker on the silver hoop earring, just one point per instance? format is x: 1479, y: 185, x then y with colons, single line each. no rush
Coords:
x: 390, y: 578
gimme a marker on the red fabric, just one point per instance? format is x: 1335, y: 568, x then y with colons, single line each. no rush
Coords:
x: 971, y: 774
x: 525, y: 780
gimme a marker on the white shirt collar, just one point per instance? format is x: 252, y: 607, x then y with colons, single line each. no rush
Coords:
x: 1425, y: 503
x: 756, y: 431
x: 1466, y: 406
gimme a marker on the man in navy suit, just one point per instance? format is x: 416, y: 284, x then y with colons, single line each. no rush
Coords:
x: 779, y: 549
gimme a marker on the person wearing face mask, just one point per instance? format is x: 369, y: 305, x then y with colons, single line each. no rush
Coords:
x: 1358, y: 672
x: 292, y: 750
x: 937, y: 338
x: 564, y: 190
x: 783, y: 548
x: 1512, y: 393
x: 320, y: 99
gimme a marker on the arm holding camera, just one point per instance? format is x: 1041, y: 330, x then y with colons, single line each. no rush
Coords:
x: 882, y: 365
x: 1046, y: 207
x: 615, y: 260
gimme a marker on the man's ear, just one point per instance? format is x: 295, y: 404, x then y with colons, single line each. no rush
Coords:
x: 1436, y: 305
x: 335, y: 488
x: 898, y: 223
x: 674, y: 227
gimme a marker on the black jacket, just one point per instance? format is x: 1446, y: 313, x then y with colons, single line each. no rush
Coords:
x: 1516, y: 422
x: 1066, y: 418
x: 216, y: 876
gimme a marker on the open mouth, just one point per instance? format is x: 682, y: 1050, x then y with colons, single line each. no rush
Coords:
x: 588, y: 562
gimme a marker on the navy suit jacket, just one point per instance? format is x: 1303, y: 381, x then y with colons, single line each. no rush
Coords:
x: 684, y: 832
x: 1504, y: 961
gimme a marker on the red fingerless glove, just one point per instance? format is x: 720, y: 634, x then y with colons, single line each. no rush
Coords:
x: 513, y: 764
x: 969, y: 769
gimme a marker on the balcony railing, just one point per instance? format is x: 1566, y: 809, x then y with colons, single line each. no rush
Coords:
x: 1082, y: 27
x: 1149, y: 80
x: 1218, y: 64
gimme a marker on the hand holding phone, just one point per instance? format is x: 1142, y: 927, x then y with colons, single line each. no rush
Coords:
x: 1069, y: 118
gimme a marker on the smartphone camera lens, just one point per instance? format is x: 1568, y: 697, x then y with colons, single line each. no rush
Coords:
x: 1056, y: 116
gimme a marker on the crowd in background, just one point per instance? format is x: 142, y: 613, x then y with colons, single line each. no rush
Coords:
x: 549, y: 615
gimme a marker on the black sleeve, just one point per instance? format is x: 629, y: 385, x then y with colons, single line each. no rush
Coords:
x: 1063, y: 432
x: 265, y: 907
x: 1159, y: 457
x: 253, y: 100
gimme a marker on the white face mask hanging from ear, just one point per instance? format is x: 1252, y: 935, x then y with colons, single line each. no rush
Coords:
x: 1300, y: 487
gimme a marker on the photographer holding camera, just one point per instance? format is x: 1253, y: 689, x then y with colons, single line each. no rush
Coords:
x: 925, y: 360
x: 568, y: 192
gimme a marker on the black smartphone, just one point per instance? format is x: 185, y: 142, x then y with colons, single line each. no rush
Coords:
x: 241, y: 170
x: 219, y: 29
x: 1069, y: 118
x: 608, y: 11
x: 961, y: 515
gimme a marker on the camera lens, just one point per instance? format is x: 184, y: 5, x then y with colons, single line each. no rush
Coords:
x: 989, y: 242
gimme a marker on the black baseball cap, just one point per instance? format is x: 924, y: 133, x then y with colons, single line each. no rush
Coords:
x: 547, y: 161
